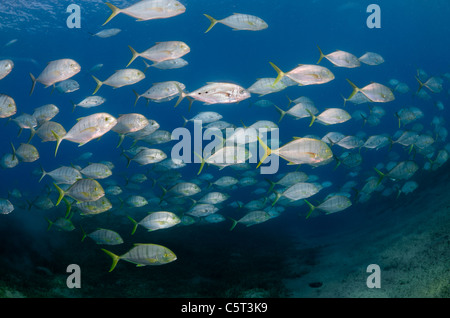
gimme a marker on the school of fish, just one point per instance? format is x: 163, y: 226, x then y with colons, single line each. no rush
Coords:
x: 160, y: 198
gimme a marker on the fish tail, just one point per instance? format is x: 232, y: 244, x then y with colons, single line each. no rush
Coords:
x: 164, y: 190
x: 381, y: 174
x: 84, y: 234
x: 233, y: 225
x: 267, y: 152
x: 364, y: 119
x: 99, y: 84
x: 338, y: 162
x: 134, y: 223
x: 128, y: 158
x: 43, y: 173
x: 115, y: 11
x: 279, y: 72
x: 345, y: 100
x: 68, y: 208
x: 7, y: 122
x: 115, y: 259
x: 135, y: 55
x: 74, y: 105
x: 321, y: 55
x: 213, y: 22
x: 272, y: 185
x: 311, y: 208
x: 137, y: 97
x: 420, y: 84
x: 356, y: 192
x: 14, y: 151
x: 147, y: 66
x: 399, y: 119
x: 121, y: 203
x: 61, y: 194
x: 330, y: 142
x: 290, y: 100
x: 278, y: 196
x: 282, y: 112
x: 33, y: 79
x: 191, y: 100
x: 243, y: 125
x: 185, y: 120
x: 313, y: 117
x: 202, y: 164
x: 32, y: 133
x: 30, y: 204
x: 58, y: 141
x: 355, y: 89
x: 50, y: 223
x: 410, y: 148
x: 182, y: 95
x: 121, y: 138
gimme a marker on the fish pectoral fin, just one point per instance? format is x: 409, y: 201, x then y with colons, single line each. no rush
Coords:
x: 151, y: 260
x: 157, y: 9
x: 90, y: 129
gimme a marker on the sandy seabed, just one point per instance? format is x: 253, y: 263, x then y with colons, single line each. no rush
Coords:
x: 409, y: 238
x: 322, y: 257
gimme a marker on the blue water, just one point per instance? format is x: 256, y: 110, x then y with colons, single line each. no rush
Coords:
x: 412, y: 36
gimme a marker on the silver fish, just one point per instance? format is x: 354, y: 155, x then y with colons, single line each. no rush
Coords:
x: 56, y: 71
x: 144, y: 254
x: 149, y: 9
x: 239, y: 21
x: 8, y: 106
x: 120, y: 78
x: 162, y: 51
x: 216, y: 93
x: 104, y: 236
x: 6, y: 67
x: 88, y: 128
x: 305, y: 74
x: 157, y: 221
x: 107, y: 33
x: 82, y: 190
x: 340, y: 59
